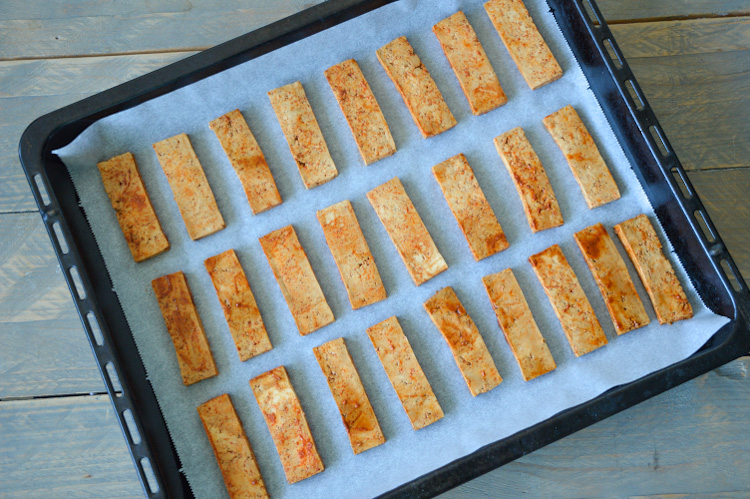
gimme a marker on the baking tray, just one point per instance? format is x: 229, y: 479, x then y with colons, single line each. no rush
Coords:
x: 697, y: 243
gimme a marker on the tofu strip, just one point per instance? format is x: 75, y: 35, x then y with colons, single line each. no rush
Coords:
x: 405, y: 373
x: 131, y: 203
x: 518, y: 325
x: 613, y: 279
x: 248, y: 161
x: 351, y: 254
x: 463, y: 338
x: 525, y: 44
x: 350, y: 396
x: 189, y: 186
x: 419, y: 91
x: 361, y: 110
x: 407, y: 231
x: 232, y: 449
x: 303, y: 134
x: 644, y: 249
x: 470, y: 63
x: 287, y: 424
x: 237, y: 301
x: 530, y: 179
x: 471, y: 209
x: 568, y: 300
x: 585, y: 161
x: 185, y: 328
x: 296, y: 279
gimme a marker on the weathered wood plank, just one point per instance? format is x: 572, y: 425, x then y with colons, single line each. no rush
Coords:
x: 631, y: 10
x: 64, y: 447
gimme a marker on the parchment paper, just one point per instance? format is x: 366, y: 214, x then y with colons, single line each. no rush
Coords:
x: 469, y: 423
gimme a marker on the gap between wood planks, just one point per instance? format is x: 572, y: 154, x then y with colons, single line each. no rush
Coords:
x: 56, y: 396
x: 686, y: 17
x: 109, y: 54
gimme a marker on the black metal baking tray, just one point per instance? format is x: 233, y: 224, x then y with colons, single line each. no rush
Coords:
x: 677, y: 207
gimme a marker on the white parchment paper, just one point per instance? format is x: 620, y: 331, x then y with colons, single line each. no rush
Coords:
x: 469, y: 423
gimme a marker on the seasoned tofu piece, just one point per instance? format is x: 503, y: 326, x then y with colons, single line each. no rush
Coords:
x: 131, y: 203
x: 185, y: 328
x: 644, y: 249
x: 361, y: 110
x: 470, y: 63
x: 568, y: 300
x: 518, y: 325
x: 419, y: 91
x: 613, y: 279
x: 407, y: 231
x: 350, y: 396
x: 405, y: 373
x: 296, y: 279
x: 463, y: 338
x: 351, y: 254
x: 232, y: 449
x: 287, y: 424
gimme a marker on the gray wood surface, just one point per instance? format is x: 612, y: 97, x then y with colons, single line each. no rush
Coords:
x: 692, y: 58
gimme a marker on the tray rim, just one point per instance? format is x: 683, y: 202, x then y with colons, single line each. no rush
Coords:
x: 38, y: 140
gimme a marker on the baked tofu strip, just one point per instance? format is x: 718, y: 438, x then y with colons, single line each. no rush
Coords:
x: 247, y: 160
x: 471, y: 209
x: 464, y: 340
x: 361, y: 110
x: 407, y: 231
x: 232, y: 449
x: 185, y: 328
x: 350, y: 396
x: 585, y: 161
x: 518, y: 325
x: 470, y: 63
x: 524, y: 42
x: 189, y: 186
x: 351, y: 254
x: 530, y: 179
x: 286, y: 422
x: 405, y: 373
x: 644, y: 248
x: 613, y: 279
x: 419, y: 91
x: 237, y: 300
x: 296, y: 279
x: 568, y: 300
x: 303, y: 134
x: 131, y: 203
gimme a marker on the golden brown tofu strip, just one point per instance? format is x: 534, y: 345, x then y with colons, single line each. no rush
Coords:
x: 471, y: 209
x: 470, y: 63
x: 296, y: 279
x: 361, y: 110
x: 131, y: 203
x: 644, y: 248
x: 530, y: 179
x: 568, y: 300
x: 350, y: 396
x: 585, y: 161
x: 405, y: 373
x: 303, y: 134
x: 407, y: 231
x: 524, y: 42
x: 352, y: 254
x: 247, y: 160
x: 613, y: 279
x: 463, y: 338
x: 232, y: 449
x: 237, y: 301
x: 419, y: 91
x: 185, y: 328
x: 518, y: 325
x: 287, y: 423
x: 189, y: 186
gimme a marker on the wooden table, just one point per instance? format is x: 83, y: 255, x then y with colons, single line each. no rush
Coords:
x: 58, y: 433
